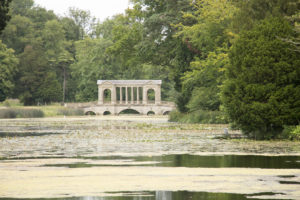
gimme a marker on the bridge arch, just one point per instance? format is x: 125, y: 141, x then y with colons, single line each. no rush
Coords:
x: 107, y: 95
x: 150, y: 112
x: 151, y: 96
x: 166, y: 112
x: 129, y: 111
x: 107, y: 113
x: 90, y: 112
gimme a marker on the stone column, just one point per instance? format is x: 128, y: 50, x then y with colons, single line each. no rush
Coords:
x: 121, y: 95
x: 126, y: 94
x: 113, y: 95
x: 145, y: 95
x: 158, y: 94
x: 132, y: 97
x: 137, y: 95
x: 100, y: 95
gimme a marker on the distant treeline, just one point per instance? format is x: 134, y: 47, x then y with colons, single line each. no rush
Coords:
x: 237, y: 60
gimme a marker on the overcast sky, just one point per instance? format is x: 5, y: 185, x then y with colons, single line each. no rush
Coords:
x: 101, y: 9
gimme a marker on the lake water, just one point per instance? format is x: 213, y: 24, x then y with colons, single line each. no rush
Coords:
x: 140, y: 158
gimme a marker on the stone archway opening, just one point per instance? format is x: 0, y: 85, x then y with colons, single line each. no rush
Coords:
x: 107, y: 113
x: 150, y: 113
x: 166, y: 113
x: 151, y: 96
x: 107, y: 96
x: 90, y: 113
x: 129, y: 112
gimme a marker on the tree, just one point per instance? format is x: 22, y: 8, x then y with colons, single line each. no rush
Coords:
x: 210, y: 38
x: 93, y: 63
x: 158, y: 46
x: 255, y: 10
x: 83, y: 20
x: 4, y: 17
x: 21, y: 7
x: 8, y: 69
x: 72, y: 32
x: 38, y: 83
x: 18, y: 33
x: 262, y: 90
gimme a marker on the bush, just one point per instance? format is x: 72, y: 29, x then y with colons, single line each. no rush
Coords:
x: 7, y: 113
x: 291, y: 133
x: 6, y: 103
x: 21, y: 113
x: 199, y: 116
x: 29, y: 113
x: 70, y: 112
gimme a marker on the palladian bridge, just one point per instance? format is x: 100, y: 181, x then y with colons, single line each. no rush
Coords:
x: 139, y: 96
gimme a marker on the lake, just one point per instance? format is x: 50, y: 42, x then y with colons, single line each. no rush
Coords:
x: 140, y: 158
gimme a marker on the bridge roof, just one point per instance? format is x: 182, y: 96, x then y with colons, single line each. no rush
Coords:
x: 129, y: 82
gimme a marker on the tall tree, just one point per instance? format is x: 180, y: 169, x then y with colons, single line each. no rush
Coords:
x: 210, y: 38
x: 56, y: 52
x: 21, y: 7
x: 4, y: 17
x: 18, y: 33
x: 255, y: 10
x: 8, y: 69
x: 93, y: 63
x: 262, y: 91
x: 83, y: 20
x: 159, y: 47
x: 38, y: 83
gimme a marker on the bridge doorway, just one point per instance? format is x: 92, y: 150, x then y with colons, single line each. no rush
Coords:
x: 107, y: 96
x: 129, y: 112
x: 151, y: 96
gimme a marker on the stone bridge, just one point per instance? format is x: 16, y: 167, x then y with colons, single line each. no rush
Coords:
x: 117, y: 96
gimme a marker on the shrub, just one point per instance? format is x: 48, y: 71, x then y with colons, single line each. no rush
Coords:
x: 291, y: 133
x: 6, y: 103
x: 70, y: 112
x: 7, y: 113
x: 21, y: 113
x: 29, y: 113
x: 199, y: 116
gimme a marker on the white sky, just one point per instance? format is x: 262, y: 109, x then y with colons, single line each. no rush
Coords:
x: 100, y: 9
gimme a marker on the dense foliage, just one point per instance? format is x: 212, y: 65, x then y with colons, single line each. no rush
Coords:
x: 219, y: 60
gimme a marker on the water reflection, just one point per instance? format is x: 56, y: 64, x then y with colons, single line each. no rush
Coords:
x: 165, y: 195
x: 186, y: 160
x: 249, y: 161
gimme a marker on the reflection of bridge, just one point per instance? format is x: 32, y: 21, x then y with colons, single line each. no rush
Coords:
x: 116, y: 96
